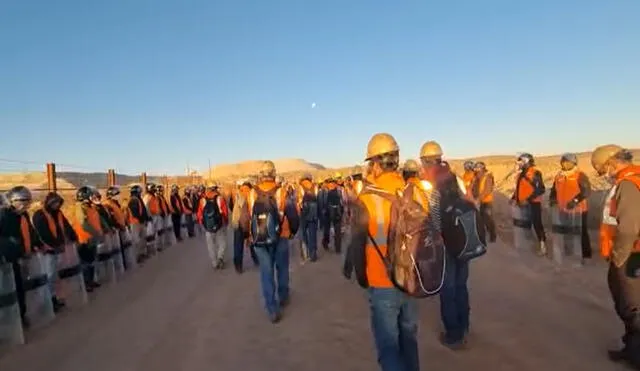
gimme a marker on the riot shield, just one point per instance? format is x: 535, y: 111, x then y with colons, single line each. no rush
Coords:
x: 566, y: 234
x: 168, y: 231
x: 522, y: 234
x: 116, y: 252
x: 10, y: 321
x: 70, y: 285
x: 105, y: 269
x: 37, y: 293
x: 130, y: 246
x: 153, y: 236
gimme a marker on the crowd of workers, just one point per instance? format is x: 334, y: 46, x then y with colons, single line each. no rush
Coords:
x: 264, y: 214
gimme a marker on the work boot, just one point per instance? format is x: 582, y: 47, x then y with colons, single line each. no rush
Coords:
x: 238, y: 269
x: 26, y: 324
x: 542, y: 249
x: 618, y: 355
x: 57, y: 304
x: 275, y: 317
x: 220, y: 264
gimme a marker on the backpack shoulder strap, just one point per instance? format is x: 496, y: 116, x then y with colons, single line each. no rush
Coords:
x: 373, y: 190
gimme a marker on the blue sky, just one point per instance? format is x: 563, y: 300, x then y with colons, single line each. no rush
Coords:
x: 154, y: 85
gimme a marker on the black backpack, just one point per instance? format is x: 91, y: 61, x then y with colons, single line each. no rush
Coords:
x: 265, y: 219
x: 309, y: 206
x: 463, y: 229
x: 334, y: 204
x: 211, y: 216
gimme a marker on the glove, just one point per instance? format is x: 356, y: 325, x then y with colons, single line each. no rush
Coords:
x: 572, y: 204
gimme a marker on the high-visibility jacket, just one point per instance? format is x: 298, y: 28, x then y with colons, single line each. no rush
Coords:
x: 609, y: 224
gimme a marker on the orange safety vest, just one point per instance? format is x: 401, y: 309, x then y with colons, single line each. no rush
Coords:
x: 379, y: 210
x: 93, y: 218
x: 133, y: 220
x: 153, y: 205
x: 609, y: 212
x: 483, y: 183
x: 25, y: 232
x: 525, y: 188
x: 467, y: 179
x: 52, y: 223
x: 115, y: 212
x: 567, y: 187
x: 188, y: 209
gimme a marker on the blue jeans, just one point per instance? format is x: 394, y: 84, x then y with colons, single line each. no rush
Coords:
x: 238, y: 249
x: 310, y: 238
x: 274, y: 266
x: 394, y: 323
x: 454, y: 300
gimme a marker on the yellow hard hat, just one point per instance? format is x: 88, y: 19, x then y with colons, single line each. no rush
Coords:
x: 337, y: 175
x: 268, y: 169
x: 602, y: 154
x: 410, y: 165
x: 381, y: 143
x: 431, y: 149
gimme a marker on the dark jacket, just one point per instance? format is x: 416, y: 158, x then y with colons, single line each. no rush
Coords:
x: 63, y: 233
x: 11, y: 241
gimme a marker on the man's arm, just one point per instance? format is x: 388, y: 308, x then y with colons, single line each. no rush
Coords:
x: 628, y: 217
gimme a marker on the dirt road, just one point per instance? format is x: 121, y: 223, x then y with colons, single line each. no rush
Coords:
x: 178, y: 314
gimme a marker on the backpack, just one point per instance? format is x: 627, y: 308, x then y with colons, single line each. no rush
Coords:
x: 309, y: 206
x: 334, y: 204
x: 211, y: 216
x: 291, y: 213
x: 416, y: 254
x: 265, y: 219
x: 463, y: 230
x: 240, y: 216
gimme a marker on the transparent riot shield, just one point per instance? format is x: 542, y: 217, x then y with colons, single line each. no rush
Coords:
x: 10, y: 321
x: 152, y: 238
x: 158, y: 225
x: 170, y: 236
x: 566, y: 234
x: 183, y: 227
x: 523, y: 238
x: 70, y: 286
x: 130, y: 244
x: 116, y: 252
x: 37, y: 293
x: 105, y: 269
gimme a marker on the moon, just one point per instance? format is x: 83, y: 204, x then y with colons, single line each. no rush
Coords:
x: 313, y: 105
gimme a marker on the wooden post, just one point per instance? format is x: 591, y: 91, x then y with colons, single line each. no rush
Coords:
x: 111, y: 178
x: 51, y: 177
x: 143, y: 180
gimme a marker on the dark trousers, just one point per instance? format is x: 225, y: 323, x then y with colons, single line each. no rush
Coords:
x: 17, y: 277
x: 238, y: 249
x: 625, y: 292
x: 486, y: 211
x: 177, y: 225
x: 190, y: 225
x: 87, y: 253
x: 337, y: 234
x: 536, y: 219
x: 586, y: 240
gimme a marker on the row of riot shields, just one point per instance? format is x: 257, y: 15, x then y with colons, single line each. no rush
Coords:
x: 566, y: 232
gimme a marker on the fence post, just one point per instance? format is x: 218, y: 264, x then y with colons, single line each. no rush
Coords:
x: 143, y: 180
x: 52, y: 182
x: 111, y: 178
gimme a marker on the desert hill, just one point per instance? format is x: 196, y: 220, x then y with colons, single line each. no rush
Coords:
x: 248, y: 168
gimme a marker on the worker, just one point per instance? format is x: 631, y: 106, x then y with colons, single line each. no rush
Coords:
x: 152, y: 203
x: 394, y: 314
x: 454, y: 295
x: 241, y: 224
x: 620, y: 243
x: 469, y: 175
x: 166, y: 211
x: 570, y: 192
x: 19, y: 240
x: 119, y: 219
x: 333, y: 211
x: 55, y: 232
x: 528, y: 193
x: 270, y: 235
x: 309, y: 214
x: 482, y: 188
x: 88, y: 228
x: 213, y: 215
x: 177, y: 211
x: 139, y: 217
x: 410, y: 172
x: 188, y: 209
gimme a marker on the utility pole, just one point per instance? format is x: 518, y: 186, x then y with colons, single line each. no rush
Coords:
x: 209, y: 169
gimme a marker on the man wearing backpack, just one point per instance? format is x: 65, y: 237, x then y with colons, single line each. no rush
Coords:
x: 270, y: 235
x: 333, y: 210
x: 214, y: 215
x: 308, y: 206
x: 241, y: 223
x: 454, y: 296
x: 394, y: 314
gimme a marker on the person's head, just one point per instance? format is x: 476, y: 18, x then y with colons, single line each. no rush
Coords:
x: 610, y: 159
x: 410, y: 169
x: 113, y: 193
x: 175, y: 189
x: 83, y: 194
x: 53, y: 201
x: 383, y: 154
x: 151, y: 188
x: 135, y: 190
x: 307, y: 177
x: 160, y: 189
x: 469, y: 166
x: 568, y: 161
x: 19, y: 199
x: 479, y: 167
x: 95, y: 197
x: 279, y: 180
x: 525, y: 161
x: 267, y: 171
